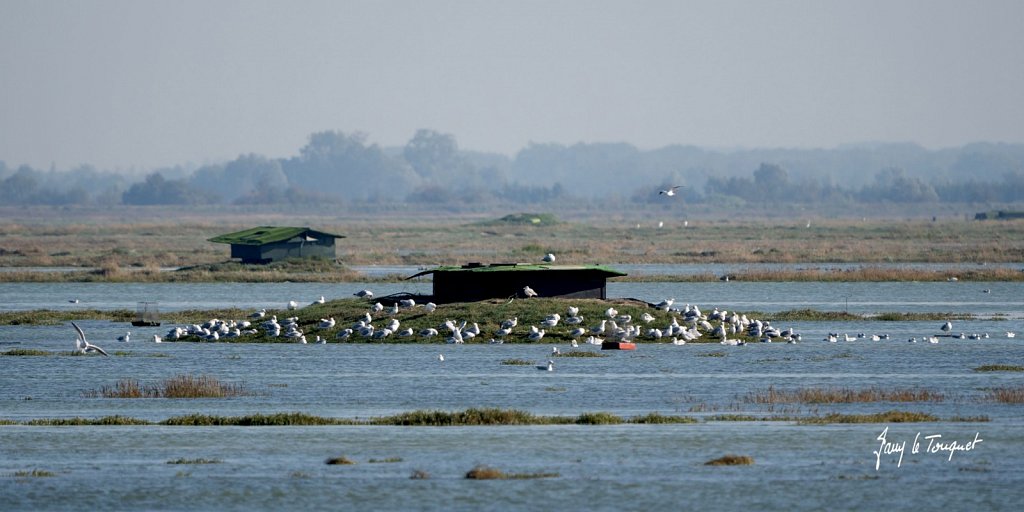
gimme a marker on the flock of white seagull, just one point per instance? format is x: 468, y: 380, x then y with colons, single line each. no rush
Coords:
x: 687, y: 324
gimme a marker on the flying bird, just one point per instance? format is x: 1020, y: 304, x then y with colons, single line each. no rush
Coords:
x: 669, y: 192
x: 82, y: 346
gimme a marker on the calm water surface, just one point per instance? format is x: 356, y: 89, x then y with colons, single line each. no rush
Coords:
x: 634, y: 467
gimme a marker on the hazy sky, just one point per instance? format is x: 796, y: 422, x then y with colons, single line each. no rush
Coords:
x: 147, y: 83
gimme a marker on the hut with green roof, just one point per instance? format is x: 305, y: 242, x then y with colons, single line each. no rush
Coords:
x: 476, y: 281
x: 265, y: 244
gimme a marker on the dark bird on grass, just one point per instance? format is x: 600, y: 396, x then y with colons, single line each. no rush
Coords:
x: 82, y: 346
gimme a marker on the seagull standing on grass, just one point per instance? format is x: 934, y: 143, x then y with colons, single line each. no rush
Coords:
x: 528, y: 292
x: 82, y: 346
x: 549, y: 258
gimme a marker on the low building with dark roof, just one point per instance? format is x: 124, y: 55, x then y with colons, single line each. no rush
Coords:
x: 265, y: 244
x: 476, y: 281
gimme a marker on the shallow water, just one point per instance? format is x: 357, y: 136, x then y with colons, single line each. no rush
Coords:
x: 797, y: 467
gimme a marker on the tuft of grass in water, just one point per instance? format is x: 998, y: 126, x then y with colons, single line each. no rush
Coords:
x: 712, y: 354
x: 841, y: 396
x: 86, y: 422
x: 881, y: 417
x: 999, y: 368
x: 25, y: 352
x: 194, y: 461
x: 1011, y: 395
x: 255, y: 420
x: 388, y: 460
x: 598, y: 418
x: 655, y: 418
x: 483, y: 472
x: 731, y: 460
x: 339, y: 461
x: 732, y: 417
x: 35, y: 473
x: 580, y: 353
x: 472, y: 416
x: 419, y: 474
x: 517, y: 362
x: 181, y: 386
x: 969, y: 419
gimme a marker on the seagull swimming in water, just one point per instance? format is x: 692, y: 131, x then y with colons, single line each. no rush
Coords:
x: 549, y: 367
x: 82, y: 346
x: 669, y: 192
x: 126, y: 338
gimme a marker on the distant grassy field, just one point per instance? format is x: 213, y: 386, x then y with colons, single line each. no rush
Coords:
x: 133, y: 244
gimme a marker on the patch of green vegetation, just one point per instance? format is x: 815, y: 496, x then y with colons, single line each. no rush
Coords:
x: 180, y: 386
x: 524, y: 219
x: 78, y: 422
x: 472, y: 416
x: 731, y: 460
x: 999, y: 368
x: 882, y: 417
x: 483, y: 472
x: 580, y: 353
x: 655, y: 418
x: 598, y: 418
x: 254, y: 420
x: 712, y: 354
x: 194, y: 461
x: 35, y: 473
x: 517, y: 362
x: 25, y: 352
x: 339, y: 461
x: 388, y: 460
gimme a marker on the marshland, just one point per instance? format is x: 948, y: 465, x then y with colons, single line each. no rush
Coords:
x: 251, y: 420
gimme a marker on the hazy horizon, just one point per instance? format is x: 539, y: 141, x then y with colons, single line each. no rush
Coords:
x: 122, y: 84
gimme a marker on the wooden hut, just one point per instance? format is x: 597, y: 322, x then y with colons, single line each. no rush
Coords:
x: 265, y: 244
x: 476, y: 281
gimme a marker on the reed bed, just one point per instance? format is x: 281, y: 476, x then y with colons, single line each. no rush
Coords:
x: 841, y: 395
x: 882, y: 417
x: 999, y: 368
x: 1007, y: 395
x: 339, y: 461
x: 25, y: 352
x: 517, y: 362
x: 580, y: 353
x: 199, y: 461
x: 35, y: 473
x: 180, y: 386
x: 731, y: 460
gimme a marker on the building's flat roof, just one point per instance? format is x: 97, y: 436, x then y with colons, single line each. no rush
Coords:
x: 265, y: 235
x: 521, y: 267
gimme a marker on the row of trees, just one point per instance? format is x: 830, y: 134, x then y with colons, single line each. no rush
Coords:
x: 335, y: 167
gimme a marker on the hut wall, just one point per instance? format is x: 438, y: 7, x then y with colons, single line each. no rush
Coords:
x: 473, y: 286
x: 281, y: 250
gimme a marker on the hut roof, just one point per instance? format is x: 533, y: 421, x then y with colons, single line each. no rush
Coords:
x: 521, y: 267
x: 267, y: 234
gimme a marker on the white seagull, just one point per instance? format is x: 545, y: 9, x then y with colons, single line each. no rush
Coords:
x: 669, y: 192
x: 527, y: 291
x: 82, y: 346
x: 549, y: 258
x: 126, y: 338
x: 364, y: 294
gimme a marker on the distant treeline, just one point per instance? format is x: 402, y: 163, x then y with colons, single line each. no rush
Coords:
x: 337, y: 168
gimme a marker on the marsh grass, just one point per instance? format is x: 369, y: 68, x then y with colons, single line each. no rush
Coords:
x: 655, y: 418
x: 999, y: 368
x: 194, y: 461
x: 87, y: 422
x: 1007, y: 395
x: 25, y: 352
x: 339, y: 461
x: 712, y: 354
x: 180, y: 386
x: 731, y: 460
x: 35, y: 473
x: 882, y: 417
x: 841, y: 396
x: 517, y: 362
x: 598, y: 418
x: 483, y: 472
x: 389, y: 460
x: 580, y: 353
x: 255, y: 420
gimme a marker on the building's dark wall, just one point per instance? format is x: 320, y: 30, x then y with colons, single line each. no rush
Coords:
x: 323, y: 248
x: 473, y: 286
